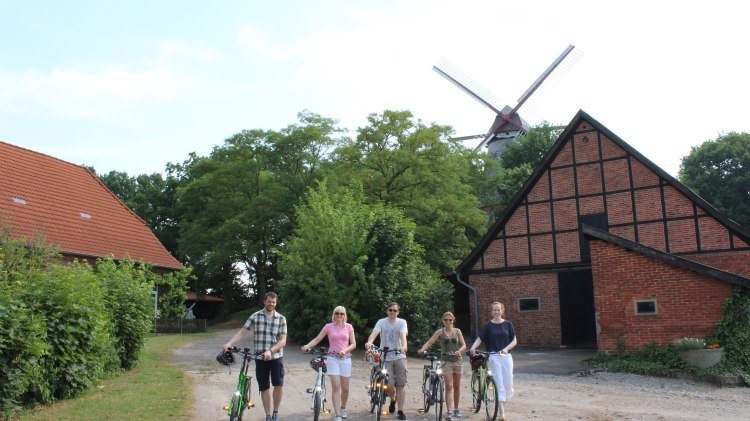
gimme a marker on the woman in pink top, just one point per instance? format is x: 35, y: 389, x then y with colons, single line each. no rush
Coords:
x: 340, y: 344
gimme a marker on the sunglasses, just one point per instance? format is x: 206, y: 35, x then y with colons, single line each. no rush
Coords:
x: 338, y: 314
x: 392, y: 310
x: 447, y: 320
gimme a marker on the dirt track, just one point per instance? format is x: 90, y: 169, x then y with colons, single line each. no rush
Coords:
x: 599, y: 396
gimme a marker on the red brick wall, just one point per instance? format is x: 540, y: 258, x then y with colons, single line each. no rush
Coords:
x: 540, y: 328
x: 688, y: 303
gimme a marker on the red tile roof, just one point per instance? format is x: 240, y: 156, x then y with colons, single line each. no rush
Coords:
x: 42, y: 196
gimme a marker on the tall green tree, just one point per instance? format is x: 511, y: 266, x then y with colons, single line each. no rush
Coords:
x: 418, y: 169
x: 238, y: 205
x: 347, y: 252
x: 719, y: 171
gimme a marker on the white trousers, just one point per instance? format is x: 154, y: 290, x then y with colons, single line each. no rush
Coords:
x: 502, y: 372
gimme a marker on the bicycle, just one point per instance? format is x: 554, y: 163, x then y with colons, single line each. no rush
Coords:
x: 433, y: 384
x: 241, y: 397
x: 318, y: 398
x: 377, y: 389
x: 483, y: 387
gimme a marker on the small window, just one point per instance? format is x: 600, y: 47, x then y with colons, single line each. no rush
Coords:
x: 18, y: 200
x: 645, y: 307
x: 85, y: 215
x: 528, y: 304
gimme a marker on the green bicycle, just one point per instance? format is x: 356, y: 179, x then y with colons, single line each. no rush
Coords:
x: 483, y: 387
x: 241, y: 397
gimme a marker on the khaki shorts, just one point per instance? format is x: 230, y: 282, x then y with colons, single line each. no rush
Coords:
x: 450, y: 367
x: 398, y: 371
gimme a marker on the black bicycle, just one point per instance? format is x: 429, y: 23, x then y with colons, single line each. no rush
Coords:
x: 378, y: 387
x: 433, y: 384
x: 241, y: 397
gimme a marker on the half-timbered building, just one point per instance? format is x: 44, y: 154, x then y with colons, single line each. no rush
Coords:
x: 603, y: 249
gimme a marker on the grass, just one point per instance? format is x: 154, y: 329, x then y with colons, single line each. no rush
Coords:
x: 155, y: 389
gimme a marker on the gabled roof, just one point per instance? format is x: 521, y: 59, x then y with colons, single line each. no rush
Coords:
x: 666, y: 257
x: 566, y: 136
x: 42, y: 196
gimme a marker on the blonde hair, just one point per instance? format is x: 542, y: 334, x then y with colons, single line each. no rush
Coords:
x: 338, y: 309
x: 448, y: 313
x: 502, y: 306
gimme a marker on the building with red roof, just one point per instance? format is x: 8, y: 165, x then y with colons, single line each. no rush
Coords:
x: 68, y: 207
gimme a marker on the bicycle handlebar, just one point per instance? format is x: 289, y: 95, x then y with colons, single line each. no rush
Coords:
x: 246, y: 352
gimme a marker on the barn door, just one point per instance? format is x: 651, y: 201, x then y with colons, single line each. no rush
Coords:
x: 577, y: 308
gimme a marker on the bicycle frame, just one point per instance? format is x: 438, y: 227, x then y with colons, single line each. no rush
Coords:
x: 483, y: 388
x: 318, y: 393
x: 241, y: 398
x: 377, y: 389
x: 433, y: 384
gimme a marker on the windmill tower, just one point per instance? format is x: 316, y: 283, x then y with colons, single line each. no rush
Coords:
x: 508, y: 124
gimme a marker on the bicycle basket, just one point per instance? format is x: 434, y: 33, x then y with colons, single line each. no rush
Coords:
x: 372, y: 356
x: 225, y: 358
x: 318, y: 362
x: 477, y: 361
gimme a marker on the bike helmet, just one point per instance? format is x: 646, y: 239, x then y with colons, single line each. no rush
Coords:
x: 318, y: 362
x: 225, y: 358
x: 372, y: 356
x: 477, y: 361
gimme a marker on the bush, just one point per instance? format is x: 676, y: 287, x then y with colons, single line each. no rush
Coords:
x: 127, y: 290
x: 733, y: 331
x: 22, y: 346
x: 172, y: 287
x: 63, y: 326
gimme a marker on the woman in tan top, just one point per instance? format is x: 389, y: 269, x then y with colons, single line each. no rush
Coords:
x: 451, y: 342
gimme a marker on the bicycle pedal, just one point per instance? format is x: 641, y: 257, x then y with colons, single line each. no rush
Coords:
x: 309, y: 390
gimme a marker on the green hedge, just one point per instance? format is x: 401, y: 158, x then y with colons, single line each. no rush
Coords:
x: 62, y: 327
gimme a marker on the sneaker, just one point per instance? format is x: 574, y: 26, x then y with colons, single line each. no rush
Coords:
x: 457, y: 414
x: 401, y: 415
x: 337, y: 419
x: 344, y: 414
x: 268, y: 418
x: 448, y: 416
x: 392, y: 407
x: 275, y: 416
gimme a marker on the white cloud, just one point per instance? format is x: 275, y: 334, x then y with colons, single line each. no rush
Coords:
x: 92, y: 90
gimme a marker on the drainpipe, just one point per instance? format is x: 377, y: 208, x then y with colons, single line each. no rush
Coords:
x: 476, y: 303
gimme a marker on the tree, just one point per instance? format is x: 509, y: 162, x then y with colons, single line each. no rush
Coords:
x: 238, y: 205
x: 153, y: 198
x: 719, y: 171
x: 418, y: 169
x: 347, y: 252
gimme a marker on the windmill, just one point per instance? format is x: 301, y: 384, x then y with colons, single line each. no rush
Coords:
x: 508, y: 123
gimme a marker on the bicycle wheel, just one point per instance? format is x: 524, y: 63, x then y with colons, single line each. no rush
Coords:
x: 438, y: 397
x: 235, y: 413
x: 426, y: 390
x: 490, y: 400
x: 381, y: 396
x: 317, y: 402
x: 373, y: 392
x: 476, y: 391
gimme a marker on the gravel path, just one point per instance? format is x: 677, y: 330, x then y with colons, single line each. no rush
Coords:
x: 598, y: 396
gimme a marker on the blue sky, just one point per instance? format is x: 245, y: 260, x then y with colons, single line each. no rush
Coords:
x: 130, y: 86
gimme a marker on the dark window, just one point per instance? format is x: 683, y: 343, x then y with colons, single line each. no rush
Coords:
x: 528, y: 304
x: 645, y: 307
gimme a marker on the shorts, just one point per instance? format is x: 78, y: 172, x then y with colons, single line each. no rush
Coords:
x: 274, y: 368
x: 398, y: 371
x: 453, y: 367
x: 339, y: 366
